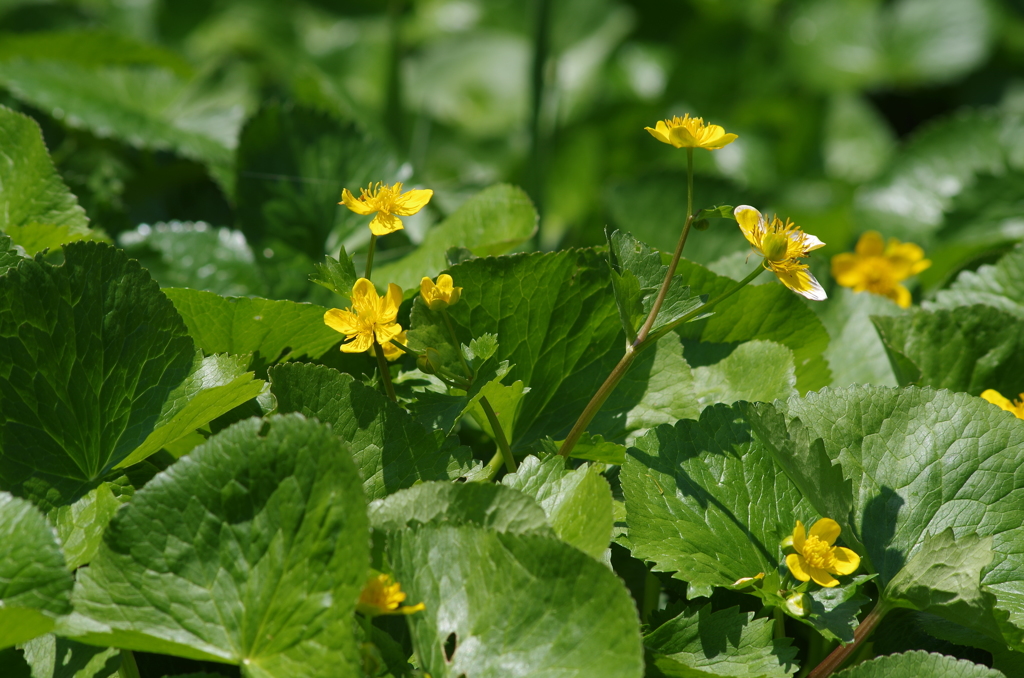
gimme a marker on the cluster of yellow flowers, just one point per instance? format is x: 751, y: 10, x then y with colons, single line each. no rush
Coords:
x: 879, y: 267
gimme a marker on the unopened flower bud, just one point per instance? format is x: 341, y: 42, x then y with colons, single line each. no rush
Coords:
x: 799, y: 604
x: 441, y: 295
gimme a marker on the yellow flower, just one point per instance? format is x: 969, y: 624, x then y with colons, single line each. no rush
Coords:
x: 816, y: 558
x: 687, y: 132
x: 387, y: 201
x: 439, y: 296
x: 370, y: 317
x: 997, y: 399
x: 392, y: 352
x: 782, y: 245
x: 383, y: 595
x: 880, y: 268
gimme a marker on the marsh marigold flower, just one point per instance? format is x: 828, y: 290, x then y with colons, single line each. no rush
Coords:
x: 383, y: 595
x: 687, y: 132
x: 782, y: 245
x: 880, y: 267
x: 388, y: 202
x: 370, y: 317
x: 997, y: 399
x: 442, y: 295
x: 816, y: 558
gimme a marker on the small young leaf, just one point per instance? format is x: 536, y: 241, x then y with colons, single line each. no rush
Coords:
x: 337, y: 275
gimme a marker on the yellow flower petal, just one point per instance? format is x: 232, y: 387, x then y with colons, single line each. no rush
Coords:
x: 880, y: 269
x: 798, y: 566
x: 411, y: 202
x: 354, y: 204
x: 341, y: 321
x: 822, y: 577
x: 826, y: 530
x: 799, y: 537
x: 680, y: 137
x: 361, y: 342
x: 901, y: 295
x: 751, y: 222
x: 997, y: 399
x: 659, y: 132
x: 847, y: 561
x: 802, y: 282
x: 384, y: 223
x: 687, y: 132
x: 870, y: 244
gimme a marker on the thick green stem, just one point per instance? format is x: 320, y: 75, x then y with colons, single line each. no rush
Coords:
x: 663, y: 292
x: 492, y: 468
x: 779, y: 627
x: 385, y: 373
x: 129, y: 669
x: 841, y: 653
x: 455, y: 340
x: 595, y: 404
x: 499, y: 435
x: 369, y: 256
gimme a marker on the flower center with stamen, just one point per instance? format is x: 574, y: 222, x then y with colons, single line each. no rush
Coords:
x: 775, y: 245
x: 818, y: 554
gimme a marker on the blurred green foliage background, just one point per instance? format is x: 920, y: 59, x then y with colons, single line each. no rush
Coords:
x: 212, y: 138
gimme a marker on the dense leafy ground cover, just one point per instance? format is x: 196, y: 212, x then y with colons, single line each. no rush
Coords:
x: 592, y: 460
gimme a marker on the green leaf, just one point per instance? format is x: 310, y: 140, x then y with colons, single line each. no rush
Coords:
x: 492, y: 222
x: 970, y: 349
x: 36, y: 208
x: 90, y: 352
x: 858, y: 140
x: 596, y: 448
x: 578, y: 503
x: 629, y: 254
x: 554, y: 318
x: 80, y: 526
x: 855, y: 352
x: 724, y: 643
x: 756, y: 370
x: 1000, y: 286
x: 918, y: 664
x: 944, y: 578
x: 834, y: 610
x: 716, y: 212
x: 270, y: 530
x: 921, y: 461
x: 705, y: 501
x: 89, y: 47
x: 195, y: 255
x: 514, y: 605
x: 766, y: 312
x: 494, y: 507
x: 217, y: 384
x: 147, y: 107
x: 9, y: 254
x: 53, y: 657
x: 273, y: 331
x: 292, y: 164
x: 505, y: 401
x: 391, y: 449
x: 337, y: 275
x: 35, y: 586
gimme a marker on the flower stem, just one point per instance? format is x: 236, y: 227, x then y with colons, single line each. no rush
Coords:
x: 369, y: 256
x: 779, y: 628
x: 385, y: 373
x: 594, y: 406
x: 663, y: 292
x: 840, y: 654
x: 492, y: 468
x: 129, y: 669
x: 458, y: 346
x: 499, y: 435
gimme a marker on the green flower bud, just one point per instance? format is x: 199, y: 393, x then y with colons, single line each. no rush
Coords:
x: 799, y: 604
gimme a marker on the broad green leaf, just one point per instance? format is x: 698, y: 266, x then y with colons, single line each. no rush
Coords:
x: 80, y: 526
x: 767, y: 312
x: 493, y: 507
x: 921, y: 461
x: 755, y: 371
x: 217, y: 384
x: 944, y: 578
x: 1000, y: 286
x: 391, y: 449
x: 629, y: 256
x: 35, y: 586
x: 268, y: 549
x: 705, y: 501
x: 578, y: 503
x: 554, y: 318
x: 273, y: 331
x: 724, y: 643
x: 971, y: 348
x: 492, y: 222
x: 834, y: 610
x: 9, y: 254
x: 918, y: 664
x: 910, y: 199
x: 858, y: 140
x: 337, y: 275
x: 514, y: 605
x: 855, y: 352
x: 292, y: 164
x: 36, y: 208
x: 147, y: 107
x: 53, y: 657
x: 90, y: 352
x: 195, y: 255
x: 88, y: 48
